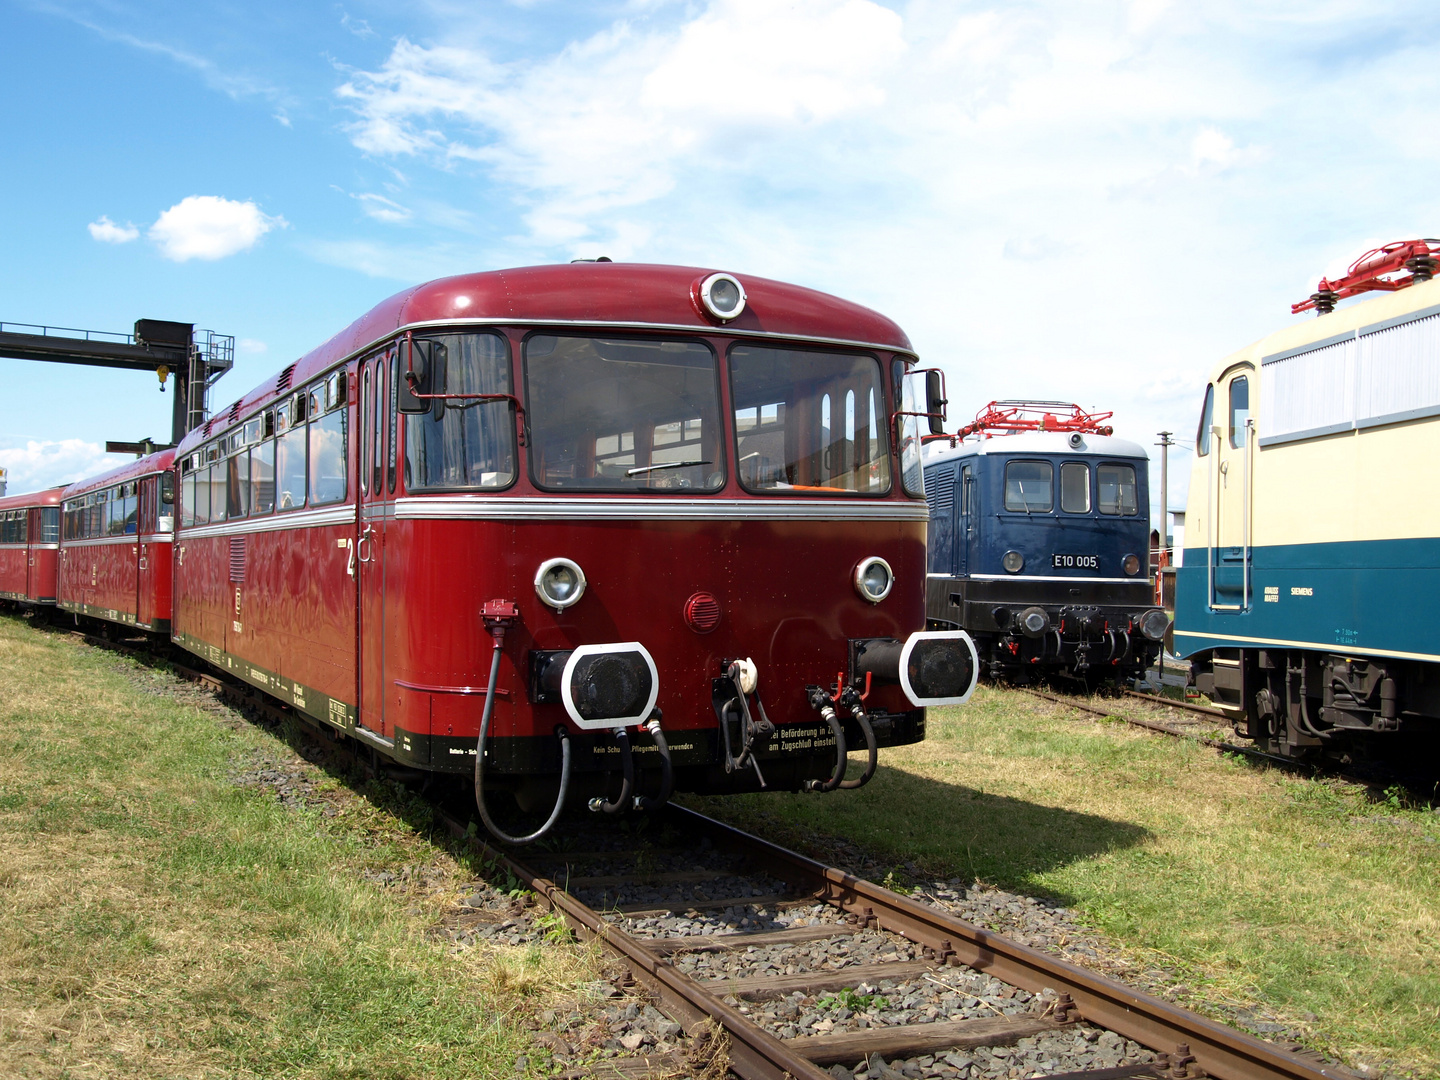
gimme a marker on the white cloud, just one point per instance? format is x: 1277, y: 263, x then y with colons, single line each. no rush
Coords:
x: 107, y: 232
x: 383, y: 209
x: 1088, y: 201
x: 210, y: 227
x: 250, y: 345
x: 41, y: 464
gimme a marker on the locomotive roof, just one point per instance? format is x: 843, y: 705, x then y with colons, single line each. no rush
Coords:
x: 1036, y: 442
x: 623, y: 295
x: 48, y: 497
x: 159, y: 461
x: 1341, y: 322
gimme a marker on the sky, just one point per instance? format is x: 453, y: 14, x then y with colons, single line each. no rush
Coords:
x: 1091, y: 202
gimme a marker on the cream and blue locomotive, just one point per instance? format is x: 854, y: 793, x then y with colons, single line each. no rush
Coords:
x: 1038, y: 545
x: 1306, y: 598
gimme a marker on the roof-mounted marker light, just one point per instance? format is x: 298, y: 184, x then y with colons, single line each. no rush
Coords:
x: 722, y: 296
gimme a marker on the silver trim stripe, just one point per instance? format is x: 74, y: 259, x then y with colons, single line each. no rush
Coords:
x: 594, y: 509
x: 1071, y: 580
x: 103, y: 541
x: 344, y: 514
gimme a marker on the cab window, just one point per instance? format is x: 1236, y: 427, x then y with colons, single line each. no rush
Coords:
x: 1117, y: 489
x: 1075, y: 487
x: 1028, y: 487
x: 1239, y: 410
x: 1207, y: 420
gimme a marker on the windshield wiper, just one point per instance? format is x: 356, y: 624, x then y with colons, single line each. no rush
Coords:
x: 638, y: 470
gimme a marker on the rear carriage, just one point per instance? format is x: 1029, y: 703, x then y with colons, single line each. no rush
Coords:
x: 29, y: 548
x: 115, y: 539
x: 609, y: 527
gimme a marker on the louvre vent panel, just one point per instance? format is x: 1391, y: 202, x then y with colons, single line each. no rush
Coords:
x: 237, y: 559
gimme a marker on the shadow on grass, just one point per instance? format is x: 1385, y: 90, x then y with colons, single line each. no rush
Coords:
x: 913, y: 827
x: 902, y: 822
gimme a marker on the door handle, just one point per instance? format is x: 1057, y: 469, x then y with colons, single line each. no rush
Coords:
x: 361, y: 552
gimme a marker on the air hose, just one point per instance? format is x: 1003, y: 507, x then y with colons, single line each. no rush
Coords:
x: 842, y: 759
x: 497, y: 633
x: 667, y: 779
x: 870, y: 747
x: 627, y: 764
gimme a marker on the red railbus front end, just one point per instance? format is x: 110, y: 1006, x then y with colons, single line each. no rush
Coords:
x: 581, y: 523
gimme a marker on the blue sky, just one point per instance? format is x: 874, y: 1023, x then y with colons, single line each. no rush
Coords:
x: 1079, y: 201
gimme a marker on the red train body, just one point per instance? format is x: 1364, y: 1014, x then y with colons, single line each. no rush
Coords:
x: 115, y: 541
x: 556, y: 503
x: 29, y: 547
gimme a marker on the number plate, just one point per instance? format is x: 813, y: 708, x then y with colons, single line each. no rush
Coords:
x: 1075, y: 562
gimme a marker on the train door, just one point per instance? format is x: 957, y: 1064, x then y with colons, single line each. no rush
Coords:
x: 31, y: 536
x: 375, y: 456
x: 965, y: 534
x: 145, y: 578
x: 1231, y: 489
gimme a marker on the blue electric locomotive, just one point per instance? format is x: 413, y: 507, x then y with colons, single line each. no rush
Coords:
x: 1038, y: 544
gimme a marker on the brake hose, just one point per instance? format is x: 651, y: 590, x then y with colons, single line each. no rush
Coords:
x: 498, y: 635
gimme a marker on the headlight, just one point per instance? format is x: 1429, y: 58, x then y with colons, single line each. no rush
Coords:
x: 722, y: 296
x: 1013, y: 561
x: 1131, y: 565
x: 560, y: 582
x: 1154, y: 623
x: 873, y: 579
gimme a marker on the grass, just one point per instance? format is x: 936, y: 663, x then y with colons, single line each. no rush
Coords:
x: 1307, y: 899
x: 158, y: 920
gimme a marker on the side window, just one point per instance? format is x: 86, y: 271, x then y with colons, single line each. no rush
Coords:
x: 290, y: 468
x: 262, y: 477
x: 327, y: 456
x: 392, y: 413
x: 49, y: 524
x: 1075, y: 487
x: 363, y: 423
x: 238, y: 485
x: 202, y: 495
x: 1117, y: 489
x: 1207, y: 421
x: 1239, y: 410
x: 377, y: 442
x: 165, y: 522
x: 187, y: 498
x: 1028, y: 487
x: 218, y: 488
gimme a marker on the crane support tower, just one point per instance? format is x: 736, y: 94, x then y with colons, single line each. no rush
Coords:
x: 195, y: 358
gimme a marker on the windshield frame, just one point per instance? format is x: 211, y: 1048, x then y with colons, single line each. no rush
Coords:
x: 534, y: 415
x: 884, y: 418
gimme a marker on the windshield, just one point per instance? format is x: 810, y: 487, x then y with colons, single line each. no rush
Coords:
x: 809, y: 421
x: 460, y: 443
x: 608, y: 414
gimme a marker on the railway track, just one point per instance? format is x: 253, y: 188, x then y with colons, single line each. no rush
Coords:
x: 1213, y: 718
x: 733, y: 938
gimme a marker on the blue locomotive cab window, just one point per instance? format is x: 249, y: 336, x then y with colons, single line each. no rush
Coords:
x: 1075, y: 487
x: 459, y: 442
x: 1239, y: 410
x: 1117, y: 489
x: 1029, y: 487
x: 1207, y: 420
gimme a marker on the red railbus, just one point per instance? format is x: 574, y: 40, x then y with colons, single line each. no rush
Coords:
x: 580, y: 531
x: 116, y: 532
x: 29, y: 547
